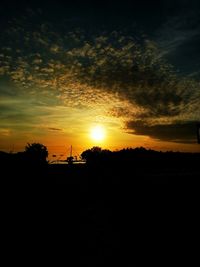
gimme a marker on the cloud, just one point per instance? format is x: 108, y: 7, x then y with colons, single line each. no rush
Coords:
x: 5, y: 132
x: 54, y: 129
x: 180, y: 132
x: 179, y: 38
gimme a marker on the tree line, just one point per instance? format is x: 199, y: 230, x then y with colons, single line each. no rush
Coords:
x: 34, y: 153
x: 37, y: 154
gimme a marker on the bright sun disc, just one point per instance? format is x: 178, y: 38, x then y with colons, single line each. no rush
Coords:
x: 98, y: 133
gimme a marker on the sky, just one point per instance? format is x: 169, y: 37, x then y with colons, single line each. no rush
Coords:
x: 130, y: 67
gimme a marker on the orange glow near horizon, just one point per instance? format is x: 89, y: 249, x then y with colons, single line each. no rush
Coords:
x: 115, y: 139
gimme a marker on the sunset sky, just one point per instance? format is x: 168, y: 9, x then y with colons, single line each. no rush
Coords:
x: 131, y: 68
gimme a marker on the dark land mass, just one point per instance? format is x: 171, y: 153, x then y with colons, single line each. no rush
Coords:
x: 128, y: 166
x: 122, y: 207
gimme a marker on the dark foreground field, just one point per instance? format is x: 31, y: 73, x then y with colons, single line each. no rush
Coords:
x: 99, y: 215
x: 132, y: 214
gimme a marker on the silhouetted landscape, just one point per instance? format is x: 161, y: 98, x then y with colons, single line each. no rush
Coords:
x: 111, y: 198
x: 131, y: 166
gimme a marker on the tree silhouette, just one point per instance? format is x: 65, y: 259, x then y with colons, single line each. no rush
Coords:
x: 96, y: 154
x: 36, y: 153
x: 91, y: 154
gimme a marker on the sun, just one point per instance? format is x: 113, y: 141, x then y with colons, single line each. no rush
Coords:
x: 97, y: 133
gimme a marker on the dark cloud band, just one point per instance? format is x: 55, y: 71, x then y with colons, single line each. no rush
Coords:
x: 180, y: 132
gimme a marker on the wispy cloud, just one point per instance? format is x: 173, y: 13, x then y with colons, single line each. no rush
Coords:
x: 179, y: 38
x: 54, y: 129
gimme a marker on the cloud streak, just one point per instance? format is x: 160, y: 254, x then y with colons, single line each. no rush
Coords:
x: 54, y: 129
